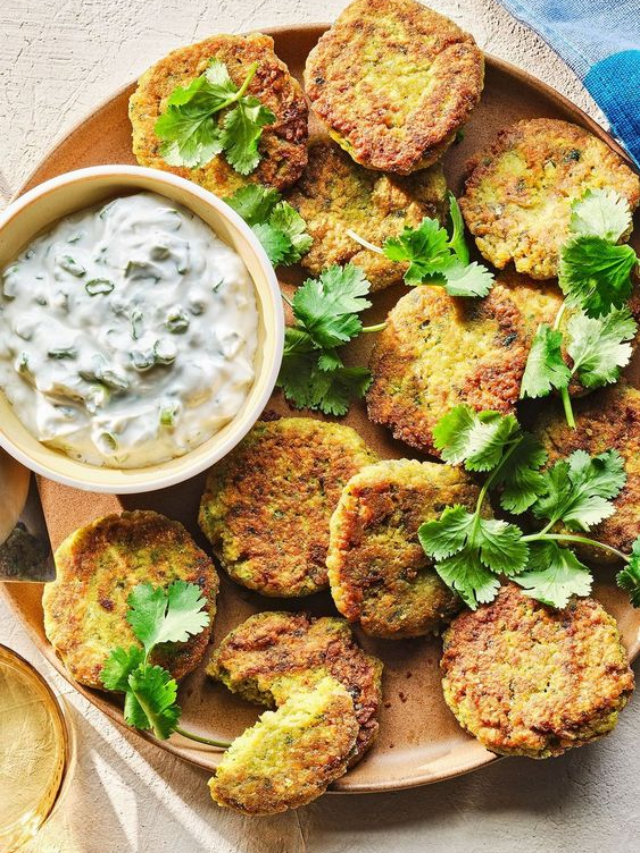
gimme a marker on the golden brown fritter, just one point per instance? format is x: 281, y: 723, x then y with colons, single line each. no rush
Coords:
x: 526, y: 679
x: 519, y: 192
x: 266, y: 654
x: 393, y: 81
x: 291, y: 755
x: 437, y: 352
x: 97, y: 567
x: 335, y: 194
x: 283, y: 145
x: 379, y: 574
x: 607, y: 420
x: 267, y: 505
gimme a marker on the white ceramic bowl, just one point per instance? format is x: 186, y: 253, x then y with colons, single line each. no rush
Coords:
x: 37, y: 211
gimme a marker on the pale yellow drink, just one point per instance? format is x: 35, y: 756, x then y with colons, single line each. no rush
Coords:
x: 33, y: 750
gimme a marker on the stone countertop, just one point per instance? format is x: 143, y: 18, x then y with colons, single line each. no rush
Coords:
x: 58, y: 58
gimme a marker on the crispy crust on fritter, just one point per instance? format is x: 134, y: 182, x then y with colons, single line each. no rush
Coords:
x: 526, y: 679
x: 379, y: 574
x: 394, y: 81
x: 335, y: 194
x: 438, y: 351
x: 519, y: 192
x: 97, y: 567
x: 260, y: 657
x: 607, y: 420
x: 267, y: 505
x: 283, y: 145
x: 291, y: 755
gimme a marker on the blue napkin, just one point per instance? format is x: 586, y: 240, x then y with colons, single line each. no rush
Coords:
x: 600, y: 41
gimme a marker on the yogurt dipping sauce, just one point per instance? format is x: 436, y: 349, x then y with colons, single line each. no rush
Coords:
x: 128, y: 333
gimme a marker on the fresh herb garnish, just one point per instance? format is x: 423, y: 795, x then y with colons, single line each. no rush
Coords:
x: 278, y: 226
x: 192, y: 131
x: 595, y: 276
x: 326, y: 317
x: 471, y: 551
x: 436, y: 256
x: 156, y: 615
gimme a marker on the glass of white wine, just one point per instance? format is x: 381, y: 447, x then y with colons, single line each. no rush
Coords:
x: 37, y: 751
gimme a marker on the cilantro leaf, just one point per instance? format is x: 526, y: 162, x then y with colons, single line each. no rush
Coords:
x: 554, y: 575
x: 629, y: 577
x: 464, y: 573
x: 275, y: 243
x: 254, y: 203
x: 498, y: 544
x: 333, y: 390
x: 191, y: 133
x: 478, y: 440
x: 545, y: 368
x: 288, y: 221
x: 426, y: 248
x: 601, y: 213
x: 327, y: 307
x: 278, y: 226
x: 169, y: 615
x: 600, y: 347
x: 457, y: 241
x: 470, y: 280
x: 578, y: 492
x: 156, y: 693
x: 118, y: 667
x: 520, y: 477
x: 595, y: 275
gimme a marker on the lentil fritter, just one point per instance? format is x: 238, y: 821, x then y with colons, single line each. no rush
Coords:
x: 291, y: 755
x: 98, y: 566
x: 267, y: 505
x: 394, y: 81
x: 268, y: 653
x: 380, y: 576
x: 335, y: 194
x: 519, y: 192
x: 609, y: 419
x: 525, y: 679
x: 437, y: 351
x: 283, y: 145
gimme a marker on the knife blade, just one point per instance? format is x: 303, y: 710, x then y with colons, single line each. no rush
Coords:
x: 25, y: 547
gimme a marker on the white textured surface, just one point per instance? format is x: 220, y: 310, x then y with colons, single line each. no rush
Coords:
x: 58, y: 58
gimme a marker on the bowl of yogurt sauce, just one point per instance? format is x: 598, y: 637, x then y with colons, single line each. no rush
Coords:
x: 141, y: 329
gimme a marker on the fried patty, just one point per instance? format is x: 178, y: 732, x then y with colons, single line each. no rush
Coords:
x: 525, y: 679
x: 437, y: 351
x: 379, y: 574
x: 519, y: 192
x: 335, y: 194
x: 283, y: 145
x: 607, y: 420
x: 97, y: 567
x: 291, y: 755
x: 267, y: 505
x: 262, y: 657
x: 394, y: 81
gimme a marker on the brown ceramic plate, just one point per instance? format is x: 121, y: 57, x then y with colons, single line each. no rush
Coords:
x: 420, y: 741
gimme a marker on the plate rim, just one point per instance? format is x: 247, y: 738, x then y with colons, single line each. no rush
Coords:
x: 480, y: 757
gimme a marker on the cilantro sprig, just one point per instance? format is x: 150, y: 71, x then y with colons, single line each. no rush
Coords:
x: 326, y: 312
x: 278, y: 226
x: 595, y: 276
x: 471, y: 552
x: 193, y: 131
x: 436, y: 256
x: 156, y: 615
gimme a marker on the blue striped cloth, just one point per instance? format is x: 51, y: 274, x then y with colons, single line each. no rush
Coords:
x: 600, y: 41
